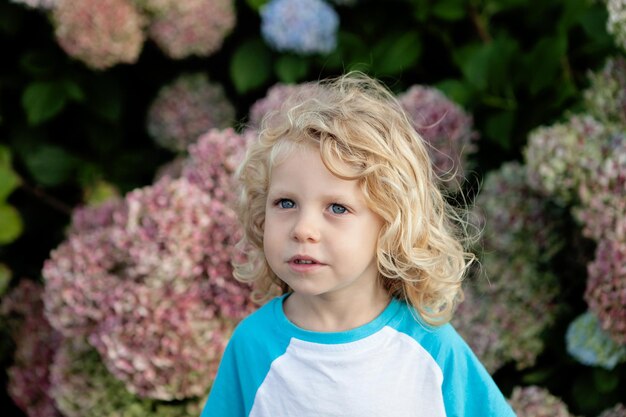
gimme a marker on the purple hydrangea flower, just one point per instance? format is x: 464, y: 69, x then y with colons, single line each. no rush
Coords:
x: 187, y: 108
x: 273, y: 100
x: 590, y: 345
x: 301, y: 26
x: 101, y: 33
x: 445, y: 126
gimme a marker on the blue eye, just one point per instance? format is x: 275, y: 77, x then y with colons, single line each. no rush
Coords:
x: 338, y: 208
x: 286, y: 203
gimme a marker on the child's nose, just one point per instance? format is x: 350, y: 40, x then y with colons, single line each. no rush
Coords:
x: 306, y: 228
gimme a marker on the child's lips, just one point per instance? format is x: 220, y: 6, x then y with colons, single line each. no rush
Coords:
x: 304, y: 263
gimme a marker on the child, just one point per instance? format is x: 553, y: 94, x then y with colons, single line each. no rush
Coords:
x: 349, y: 238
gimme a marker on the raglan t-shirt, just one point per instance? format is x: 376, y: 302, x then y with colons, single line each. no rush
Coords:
x: 394, y: 366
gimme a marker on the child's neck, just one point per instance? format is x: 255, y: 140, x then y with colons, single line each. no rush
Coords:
x: 334, y: 313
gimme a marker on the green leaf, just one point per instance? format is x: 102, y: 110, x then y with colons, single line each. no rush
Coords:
x: 5, y: 278
x: 50, y: 165
x: 291, y: 69
x: 250, y: 66
x: 38, y: 62
x: 498, y: 128
x: 350, y: 51
x: 105, y: 98
x: 457, y: 91
x: 473, y: 61
x: 5, y: 156
x: 42, y: 100
x: 10, y: 224
x: 450, y: 9
x: 605, y: 381
x: 256, y: 4
x: 9, y: 181
x: 544, y: 63
x: 395, y: 54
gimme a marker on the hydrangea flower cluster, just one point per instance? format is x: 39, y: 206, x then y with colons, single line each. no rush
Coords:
x: 561, y: 157
x: 152, y: 288
x: 36, y: 343
x: 445, y: 126
x: 506, y: 311
x: 190, y: 27
x: 77, y: 368
x: 213, y: 160
x: 616, y: 24
x: 602, y: 209
x: 187, y: 108
x: 300, y: 26
x: 275, y: 97
x: 606, y: 288
x: 605, y: 98
x: 101, y: 33
x: 590, y: 345
x: 534, y: 401
x: 38, y: 4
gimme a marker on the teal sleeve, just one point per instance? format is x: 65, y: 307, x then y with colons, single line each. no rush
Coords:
x: 468, y: 389
x: 226, y: 396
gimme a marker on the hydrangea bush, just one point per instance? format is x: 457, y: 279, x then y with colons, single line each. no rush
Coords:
x: 616, y: 24
x: 38, y: 4
x: 146, y: 280
x: 186, y: 108
x: 300, y: 26
x: 510, y: 301
x: 274, y: 98
x: 605, y: 98
x: 445, y: 126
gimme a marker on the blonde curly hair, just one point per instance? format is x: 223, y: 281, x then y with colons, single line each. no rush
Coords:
x: 356, y: 122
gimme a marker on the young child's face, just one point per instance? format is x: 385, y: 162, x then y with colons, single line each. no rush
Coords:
x: 320, y: 237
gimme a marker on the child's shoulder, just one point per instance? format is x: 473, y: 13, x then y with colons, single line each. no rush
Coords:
x: 442, y: 339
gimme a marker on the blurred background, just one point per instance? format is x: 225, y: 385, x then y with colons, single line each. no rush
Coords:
x: 122, y: 121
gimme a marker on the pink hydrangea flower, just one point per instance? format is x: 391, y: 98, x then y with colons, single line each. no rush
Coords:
x: 36, y: 343
x: 151, y: 287
x: 445, y: 126
x: 602, y: 209
x: 187, y: 108
x: 606, y: 288
x: 534, y: 401
x: 191, y: 27
x: 101, y: 33
x: 213, y: 160
x: 273, y: 100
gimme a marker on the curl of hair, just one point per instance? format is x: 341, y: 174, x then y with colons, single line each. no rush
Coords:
x: 363, y: 134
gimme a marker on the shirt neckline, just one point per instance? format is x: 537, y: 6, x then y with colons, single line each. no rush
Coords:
x: 346, y: 336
